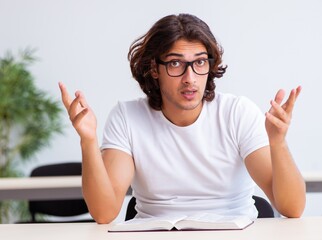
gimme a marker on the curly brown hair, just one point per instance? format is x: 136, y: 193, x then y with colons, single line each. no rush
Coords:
x: 159, y: 39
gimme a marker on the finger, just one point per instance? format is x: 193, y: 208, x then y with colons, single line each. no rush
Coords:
x: 77, y: 105
x: 78, y: 118
x: 74, y: 108
x: 276, y: 121
x: 279, y: 112
x: 66, y: 99
x: 278, y: 99
x: 279, y: 96
x: 289, y: 104
x: 82, y: 99
x: 298, y: 91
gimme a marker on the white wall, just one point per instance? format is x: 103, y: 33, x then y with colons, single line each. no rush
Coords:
x: 268, y: 45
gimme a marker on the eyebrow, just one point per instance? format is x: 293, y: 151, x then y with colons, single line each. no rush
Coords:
x: 181, y: 55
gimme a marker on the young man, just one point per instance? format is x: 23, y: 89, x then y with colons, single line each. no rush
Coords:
x: 185, y: 148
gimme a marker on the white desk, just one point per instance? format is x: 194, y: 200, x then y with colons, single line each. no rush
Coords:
x: 313, y: 181
x: 264, y: 229
x: 42, y: 188
x: 69, y: 187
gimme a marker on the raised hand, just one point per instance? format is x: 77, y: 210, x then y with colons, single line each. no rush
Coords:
x: 278, y: 118
x: 80, y: 114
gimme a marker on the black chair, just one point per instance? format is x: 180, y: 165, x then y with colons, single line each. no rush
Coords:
x: 130, y: 210
x: 264, y: 208
x: 58, y: 208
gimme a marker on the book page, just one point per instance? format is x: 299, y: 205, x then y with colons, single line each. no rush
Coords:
x: 146, y: 224
x: 201, y: 221
x: 213, y: 221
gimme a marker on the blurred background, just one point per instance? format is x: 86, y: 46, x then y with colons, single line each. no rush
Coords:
x: 268, y: 45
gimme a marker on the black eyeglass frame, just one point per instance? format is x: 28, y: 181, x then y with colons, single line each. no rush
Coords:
x: 210, y: 60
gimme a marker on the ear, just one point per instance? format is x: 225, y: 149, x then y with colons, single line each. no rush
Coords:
x: 154, y: 69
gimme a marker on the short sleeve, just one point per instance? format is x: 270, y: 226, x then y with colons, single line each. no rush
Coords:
x: 250, y: 127
x: 115, y: 133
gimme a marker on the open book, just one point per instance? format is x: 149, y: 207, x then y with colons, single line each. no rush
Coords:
x: 202, y: 221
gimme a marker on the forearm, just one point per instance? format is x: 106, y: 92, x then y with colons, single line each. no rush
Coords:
x: 287, y: 183
x: 97, y: 188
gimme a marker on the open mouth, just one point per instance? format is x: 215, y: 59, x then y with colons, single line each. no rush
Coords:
x: 189, y: 94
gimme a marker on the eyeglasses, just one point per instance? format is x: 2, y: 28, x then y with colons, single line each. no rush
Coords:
x: 176, y: 68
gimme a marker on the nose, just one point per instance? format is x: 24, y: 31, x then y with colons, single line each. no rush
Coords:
x: 189, y: 76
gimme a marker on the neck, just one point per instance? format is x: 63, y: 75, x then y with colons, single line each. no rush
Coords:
x: 182, y: 118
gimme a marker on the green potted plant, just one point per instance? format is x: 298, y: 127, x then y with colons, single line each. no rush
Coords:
x: 29, y: 118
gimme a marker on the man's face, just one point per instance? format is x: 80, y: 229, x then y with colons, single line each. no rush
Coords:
x: 184, y: 92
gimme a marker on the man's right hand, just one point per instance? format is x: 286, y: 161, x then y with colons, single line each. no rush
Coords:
x: 80, y: 114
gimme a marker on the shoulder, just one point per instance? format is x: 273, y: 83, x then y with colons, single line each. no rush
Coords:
x: 230, y: 101
x: 124, y: 115
x: 228, y: 98
x: 132, y: 106
x: 135, y: 103
x: 133, y: 111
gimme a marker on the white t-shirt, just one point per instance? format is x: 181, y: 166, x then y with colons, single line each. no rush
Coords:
x: 197, y: 168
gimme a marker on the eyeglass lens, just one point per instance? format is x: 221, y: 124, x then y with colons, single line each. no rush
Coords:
x: 178, y: 68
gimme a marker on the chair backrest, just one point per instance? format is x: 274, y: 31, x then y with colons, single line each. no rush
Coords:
x: 130, y: 211
x: 60, y: 208
x: 264, y: 208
